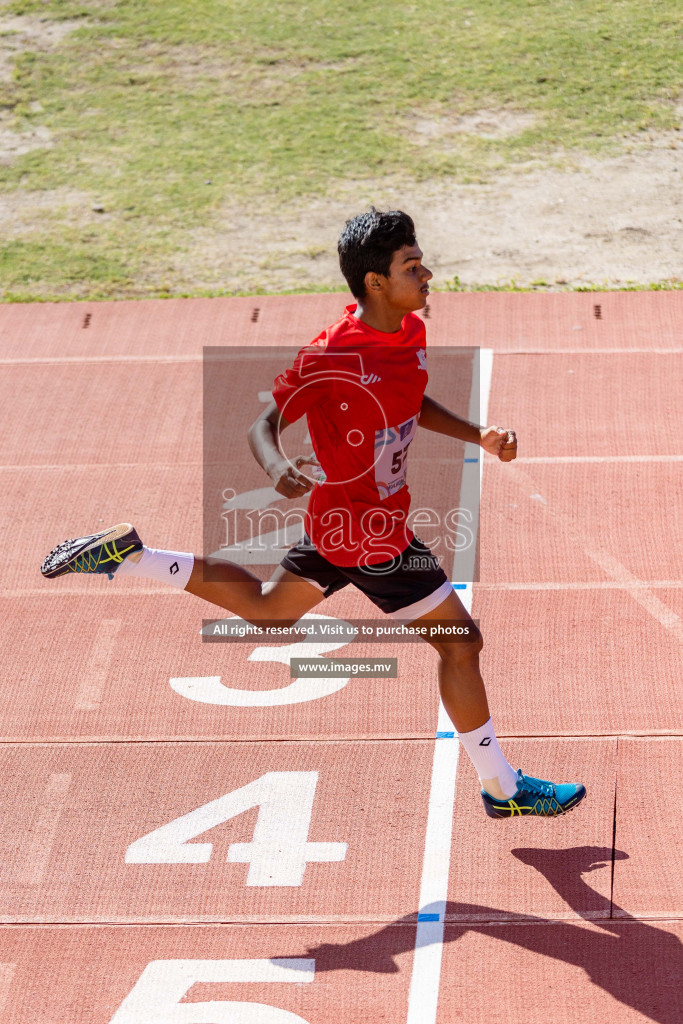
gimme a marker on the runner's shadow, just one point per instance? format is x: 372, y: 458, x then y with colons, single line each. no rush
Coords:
x: 638, y: 964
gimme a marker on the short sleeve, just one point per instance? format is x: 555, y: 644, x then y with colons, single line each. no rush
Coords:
x: 305, y: 385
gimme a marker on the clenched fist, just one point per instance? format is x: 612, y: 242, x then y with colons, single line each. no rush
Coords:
x: 288, y: 481
x: 499, y: 441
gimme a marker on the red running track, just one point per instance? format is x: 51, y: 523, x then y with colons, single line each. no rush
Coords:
x: 168, y: 860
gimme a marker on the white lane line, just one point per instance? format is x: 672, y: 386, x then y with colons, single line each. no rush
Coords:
x: 68, y: 360
x: 636, y: 584
x: 589, y: 351
x: 199, y: 357
x: 464, y: 594
x: 539, y: 460
x: 425, y: 979
x: 89, y: 696
x: 38, y: 850
x: 92, y: 591
x: 25, y: 466
x: 423, y: 996
x: 590, y: 585
x: 549, y: 460
x: 71, y: 466
x: 639, y: 589
x: 473, y: 467
x: 650, y: 602
x: 224, y: 353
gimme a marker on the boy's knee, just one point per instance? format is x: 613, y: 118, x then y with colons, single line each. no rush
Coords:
x: 273, y: 607
x: 462, y: 650
x: 267, y: 621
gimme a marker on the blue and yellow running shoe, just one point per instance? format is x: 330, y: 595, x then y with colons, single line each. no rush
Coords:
x: 535, y: 796
x: 101, y: 552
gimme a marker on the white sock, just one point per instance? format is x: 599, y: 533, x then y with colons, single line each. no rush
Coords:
x: 488, y: 759
x: 174, y: 567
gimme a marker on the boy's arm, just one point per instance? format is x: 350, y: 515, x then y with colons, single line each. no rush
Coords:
x: 495, y: 440
x: 263, y: 437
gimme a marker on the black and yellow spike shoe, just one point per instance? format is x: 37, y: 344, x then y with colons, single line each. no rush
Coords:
x: 536, y: 797
x: 100, y: 552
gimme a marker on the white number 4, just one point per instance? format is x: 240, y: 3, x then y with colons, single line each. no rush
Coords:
x: 279, y: 850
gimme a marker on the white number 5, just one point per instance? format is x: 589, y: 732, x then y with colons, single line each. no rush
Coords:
x: 156, y: 996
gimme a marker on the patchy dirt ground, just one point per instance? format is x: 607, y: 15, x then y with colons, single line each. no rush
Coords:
x: 602, y: 222
x: 19, y: 34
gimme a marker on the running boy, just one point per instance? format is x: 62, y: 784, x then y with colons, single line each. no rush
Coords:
x: 361, y: 384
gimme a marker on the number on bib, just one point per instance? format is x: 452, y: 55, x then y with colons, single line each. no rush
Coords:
x: 391, y: 452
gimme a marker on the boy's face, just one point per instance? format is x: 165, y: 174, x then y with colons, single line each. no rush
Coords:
x: 406, y: 287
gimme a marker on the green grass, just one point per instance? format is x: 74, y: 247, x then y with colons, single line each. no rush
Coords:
x: 285, y: 100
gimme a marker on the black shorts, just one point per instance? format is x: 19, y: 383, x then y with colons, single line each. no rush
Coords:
x: 406, y: 587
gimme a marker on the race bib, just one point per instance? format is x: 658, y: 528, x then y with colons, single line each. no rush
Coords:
x: 391, y: 453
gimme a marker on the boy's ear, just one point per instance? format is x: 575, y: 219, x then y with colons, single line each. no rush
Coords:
x: 373, y: 281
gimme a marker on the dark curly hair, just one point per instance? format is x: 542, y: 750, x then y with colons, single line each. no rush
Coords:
x: 368, y: 243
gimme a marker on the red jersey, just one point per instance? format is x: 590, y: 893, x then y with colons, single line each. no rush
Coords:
x: 362, y: 392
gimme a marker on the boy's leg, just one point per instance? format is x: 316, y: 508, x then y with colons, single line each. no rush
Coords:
x: 505, y: 793
x: 282, y: 601
x: 464, y: 697
x: 462, y: 688
x: 119, y: 551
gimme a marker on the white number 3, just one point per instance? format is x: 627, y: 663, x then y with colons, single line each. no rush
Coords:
x: 210, y: 689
